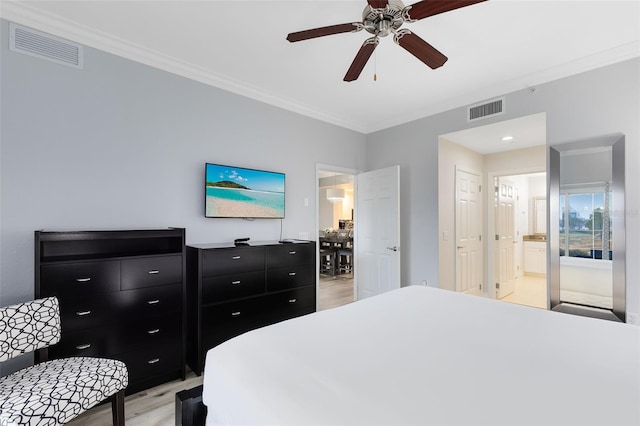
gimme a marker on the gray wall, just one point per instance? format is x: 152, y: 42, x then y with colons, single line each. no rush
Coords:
x: 598, y: 102
x: 122, y: 145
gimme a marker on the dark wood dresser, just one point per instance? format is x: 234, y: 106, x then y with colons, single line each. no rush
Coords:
x: 233, y: 289
x: 121, y: 296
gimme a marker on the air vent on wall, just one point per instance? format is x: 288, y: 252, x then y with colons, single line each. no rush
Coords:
x: 485, y: 109
x: 45, y: 46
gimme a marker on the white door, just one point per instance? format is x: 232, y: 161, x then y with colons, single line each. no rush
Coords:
x: 377, y: 231
x: 505, y: 241
x: 468, y: 233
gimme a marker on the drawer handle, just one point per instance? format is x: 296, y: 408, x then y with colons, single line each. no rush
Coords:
x: 154, y: 271
x: 83, y: 313
x: 292, y: 252
x: 235, y: 282
x: 153, y: 361
x: 153, y: 302
x: 292, y: 300
x: 154, y: 331
x: 292, y: 274
x: 236, y: 257
x: 83, y: 280
x: 235, y: 314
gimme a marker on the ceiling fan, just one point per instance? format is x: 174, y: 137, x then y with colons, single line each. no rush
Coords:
x: 383, y: 17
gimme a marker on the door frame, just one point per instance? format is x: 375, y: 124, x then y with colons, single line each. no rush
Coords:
x: 344, y: 171
x: 491, y: 220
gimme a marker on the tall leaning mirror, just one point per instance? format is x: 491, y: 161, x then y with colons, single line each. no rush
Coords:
x: 586, y: 229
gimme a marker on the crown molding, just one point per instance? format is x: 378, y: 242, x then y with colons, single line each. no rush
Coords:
x: 22, y: 13
x: 588, y: 63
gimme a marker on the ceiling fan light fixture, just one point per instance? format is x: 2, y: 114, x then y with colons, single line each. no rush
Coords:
x: 384, y: 17
x: 383, y: 21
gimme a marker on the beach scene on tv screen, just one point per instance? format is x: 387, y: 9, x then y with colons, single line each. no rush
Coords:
x: 238, y: 192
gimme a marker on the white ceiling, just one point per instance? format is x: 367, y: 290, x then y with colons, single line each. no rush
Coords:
x: 493, y: 47
x: 488, y: 139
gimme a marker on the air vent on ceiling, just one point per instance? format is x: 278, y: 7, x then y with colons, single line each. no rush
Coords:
x: 45, y: 46
x: 485, y: 109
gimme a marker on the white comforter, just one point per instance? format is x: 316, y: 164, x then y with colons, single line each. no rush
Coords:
x: 426, y: 356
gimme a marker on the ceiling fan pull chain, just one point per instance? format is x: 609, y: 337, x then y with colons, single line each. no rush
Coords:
x: 375, y: 66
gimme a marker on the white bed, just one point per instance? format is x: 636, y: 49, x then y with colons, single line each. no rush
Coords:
x: 427, y: 356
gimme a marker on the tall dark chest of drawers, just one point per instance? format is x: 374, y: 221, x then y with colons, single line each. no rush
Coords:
x: 233, y: 289
x: 121, y: 296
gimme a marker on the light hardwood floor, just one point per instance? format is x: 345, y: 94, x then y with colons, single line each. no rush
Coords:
x: 530, y: 291
x: 156, y: 406
x: 335, y: 291
x: 151, y: 407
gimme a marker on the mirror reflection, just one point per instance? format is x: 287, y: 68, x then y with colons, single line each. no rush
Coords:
x: 540, y: 215
x: 587, y: 253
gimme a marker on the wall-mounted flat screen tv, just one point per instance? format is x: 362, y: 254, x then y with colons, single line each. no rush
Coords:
x: 243, y: 193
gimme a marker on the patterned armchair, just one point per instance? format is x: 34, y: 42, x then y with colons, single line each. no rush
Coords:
x: 52, y: 392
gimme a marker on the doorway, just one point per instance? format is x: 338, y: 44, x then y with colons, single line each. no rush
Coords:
x: 336, y: 266
x: 519, y: 247
x: 512, y: 149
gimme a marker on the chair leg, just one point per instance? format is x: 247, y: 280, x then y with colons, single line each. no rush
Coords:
x: 117, y: 408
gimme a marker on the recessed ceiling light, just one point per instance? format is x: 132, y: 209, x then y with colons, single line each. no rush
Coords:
x: 507, y: 138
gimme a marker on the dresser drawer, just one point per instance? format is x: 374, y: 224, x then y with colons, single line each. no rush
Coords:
x: 156, y: 331
x: 87, y: 312
x: 152, y: 361
x: 151, y: 271
x: 290, y: 277
x: 144, y: 302
x: 71, y: 279
x: 232, y: 260
x: 226, y: 287
x: 221, y: 322
x: 93, y: 342
x: 290, y: 254
x: 213, y: 335
x: 235, y: 311
x: 304, y: 297
x: 293, y: 303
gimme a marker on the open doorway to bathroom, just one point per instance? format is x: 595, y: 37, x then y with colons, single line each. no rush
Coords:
x: 336, y: 227
x: 519, y: 247
x: 508, y: 161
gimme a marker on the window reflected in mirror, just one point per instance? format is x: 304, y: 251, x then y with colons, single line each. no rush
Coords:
x: 587, y: 252
x: 586, y: 228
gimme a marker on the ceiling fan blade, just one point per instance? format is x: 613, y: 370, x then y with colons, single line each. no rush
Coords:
x: 426, y: 8
x: 325, y: 31
x: 378, y: 4
x: 361, y: 59
x: 420, y: 48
